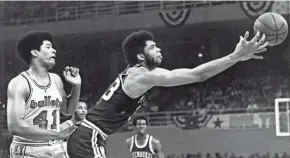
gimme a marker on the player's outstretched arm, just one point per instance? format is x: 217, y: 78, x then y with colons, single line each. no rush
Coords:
x: 70, y: 102
x: 244, y: 50
x: 157, y: 147
x: 17, y: 92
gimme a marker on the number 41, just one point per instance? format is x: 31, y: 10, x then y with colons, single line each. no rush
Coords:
x: 46, y: 119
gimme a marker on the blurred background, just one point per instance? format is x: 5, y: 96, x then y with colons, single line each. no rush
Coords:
x: 229, y: 116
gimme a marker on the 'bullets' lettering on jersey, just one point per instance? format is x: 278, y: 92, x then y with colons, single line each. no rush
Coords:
x: 46, y: 102
x: 139, y: 154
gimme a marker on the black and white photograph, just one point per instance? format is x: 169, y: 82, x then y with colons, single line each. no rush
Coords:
x: 144, y: 79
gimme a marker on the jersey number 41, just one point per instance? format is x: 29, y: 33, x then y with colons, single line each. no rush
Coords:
x: 46, y: 119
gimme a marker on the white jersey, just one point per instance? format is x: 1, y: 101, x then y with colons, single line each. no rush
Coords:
x: 42, y: 106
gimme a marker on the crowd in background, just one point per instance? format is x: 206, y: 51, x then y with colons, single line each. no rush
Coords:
x: 48, y: 11
x: 40, y: 9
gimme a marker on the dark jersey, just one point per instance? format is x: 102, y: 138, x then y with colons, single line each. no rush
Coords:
x: 115, y: 107
x: 142, y: 150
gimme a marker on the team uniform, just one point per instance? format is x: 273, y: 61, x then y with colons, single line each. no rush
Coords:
x: 109, y: 114
x: 42, y: 109
x: 142, y: 151
x: 64, y: 144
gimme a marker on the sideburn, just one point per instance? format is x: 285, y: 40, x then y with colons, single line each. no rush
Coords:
x: 149, y: 61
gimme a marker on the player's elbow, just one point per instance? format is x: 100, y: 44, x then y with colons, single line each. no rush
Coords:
x: 16, y: 127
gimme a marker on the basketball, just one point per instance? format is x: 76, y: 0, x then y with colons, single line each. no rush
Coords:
x: 274, y: 26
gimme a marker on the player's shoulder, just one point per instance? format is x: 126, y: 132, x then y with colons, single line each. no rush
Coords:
x: 160, y: 70
x: 129, y: 141
x: 135, y: 73
x: 142, y: 75
x: 18, y: 83
x: 155, y: 141
x: 156, y: 144
x: 56, y: 78
x: 136, y: 70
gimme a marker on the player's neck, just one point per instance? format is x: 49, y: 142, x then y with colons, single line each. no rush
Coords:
x: 147, y: 66
x: 141, y: 137
x: 37, y: 71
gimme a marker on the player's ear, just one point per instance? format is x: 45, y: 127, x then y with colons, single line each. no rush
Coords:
x: 140, y: 57
x: 33, y: 53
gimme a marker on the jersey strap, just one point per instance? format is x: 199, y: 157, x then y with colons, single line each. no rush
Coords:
x: 88, y: 124
x: 150, y: 145
x: 30, y: 87
x: 132, y: 143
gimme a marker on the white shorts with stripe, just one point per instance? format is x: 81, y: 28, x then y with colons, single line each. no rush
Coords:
x: 21, y: 150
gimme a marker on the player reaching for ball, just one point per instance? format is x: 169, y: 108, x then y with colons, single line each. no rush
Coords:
x: 128, y: 91
x: 36, y: 98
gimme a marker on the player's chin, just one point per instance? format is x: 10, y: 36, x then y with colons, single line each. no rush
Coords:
x: 159, y: 62
x: 51, y: 64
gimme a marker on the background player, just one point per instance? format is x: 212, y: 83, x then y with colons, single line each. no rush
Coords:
x: 78, y: 117
x: 129, y: 90
x: 36, y: 98
x: 80, y: 112
x: 143, y: 145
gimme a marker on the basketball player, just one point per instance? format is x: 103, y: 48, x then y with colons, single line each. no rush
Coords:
x: 78, y: 117
x: 80, y: 112
x: 36, y: 98
x: 128, y: 91
x: 143, y: 145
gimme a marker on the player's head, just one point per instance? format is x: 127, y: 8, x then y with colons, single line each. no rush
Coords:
x: 81, y: 110
x: 140, y: 123
x: 140, y: 47
x: 36, y: 47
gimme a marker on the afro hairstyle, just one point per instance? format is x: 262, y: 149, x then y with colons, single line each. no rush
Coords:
x: 134, y: 44
x: 139, y: 118
x: 30, y: 41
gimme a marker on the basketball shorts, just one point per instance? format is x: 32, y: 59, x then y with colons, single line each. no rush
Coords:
x: 64, y: 144
x: 21, y: 150
x: 88, y: 141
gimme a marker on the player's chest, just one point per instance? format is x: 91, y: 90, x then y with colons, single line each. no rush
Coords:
x: 41, y: 99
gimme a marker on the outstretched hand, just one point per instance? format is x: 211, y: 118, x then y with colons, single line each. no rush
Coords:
x: 246, y: 50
